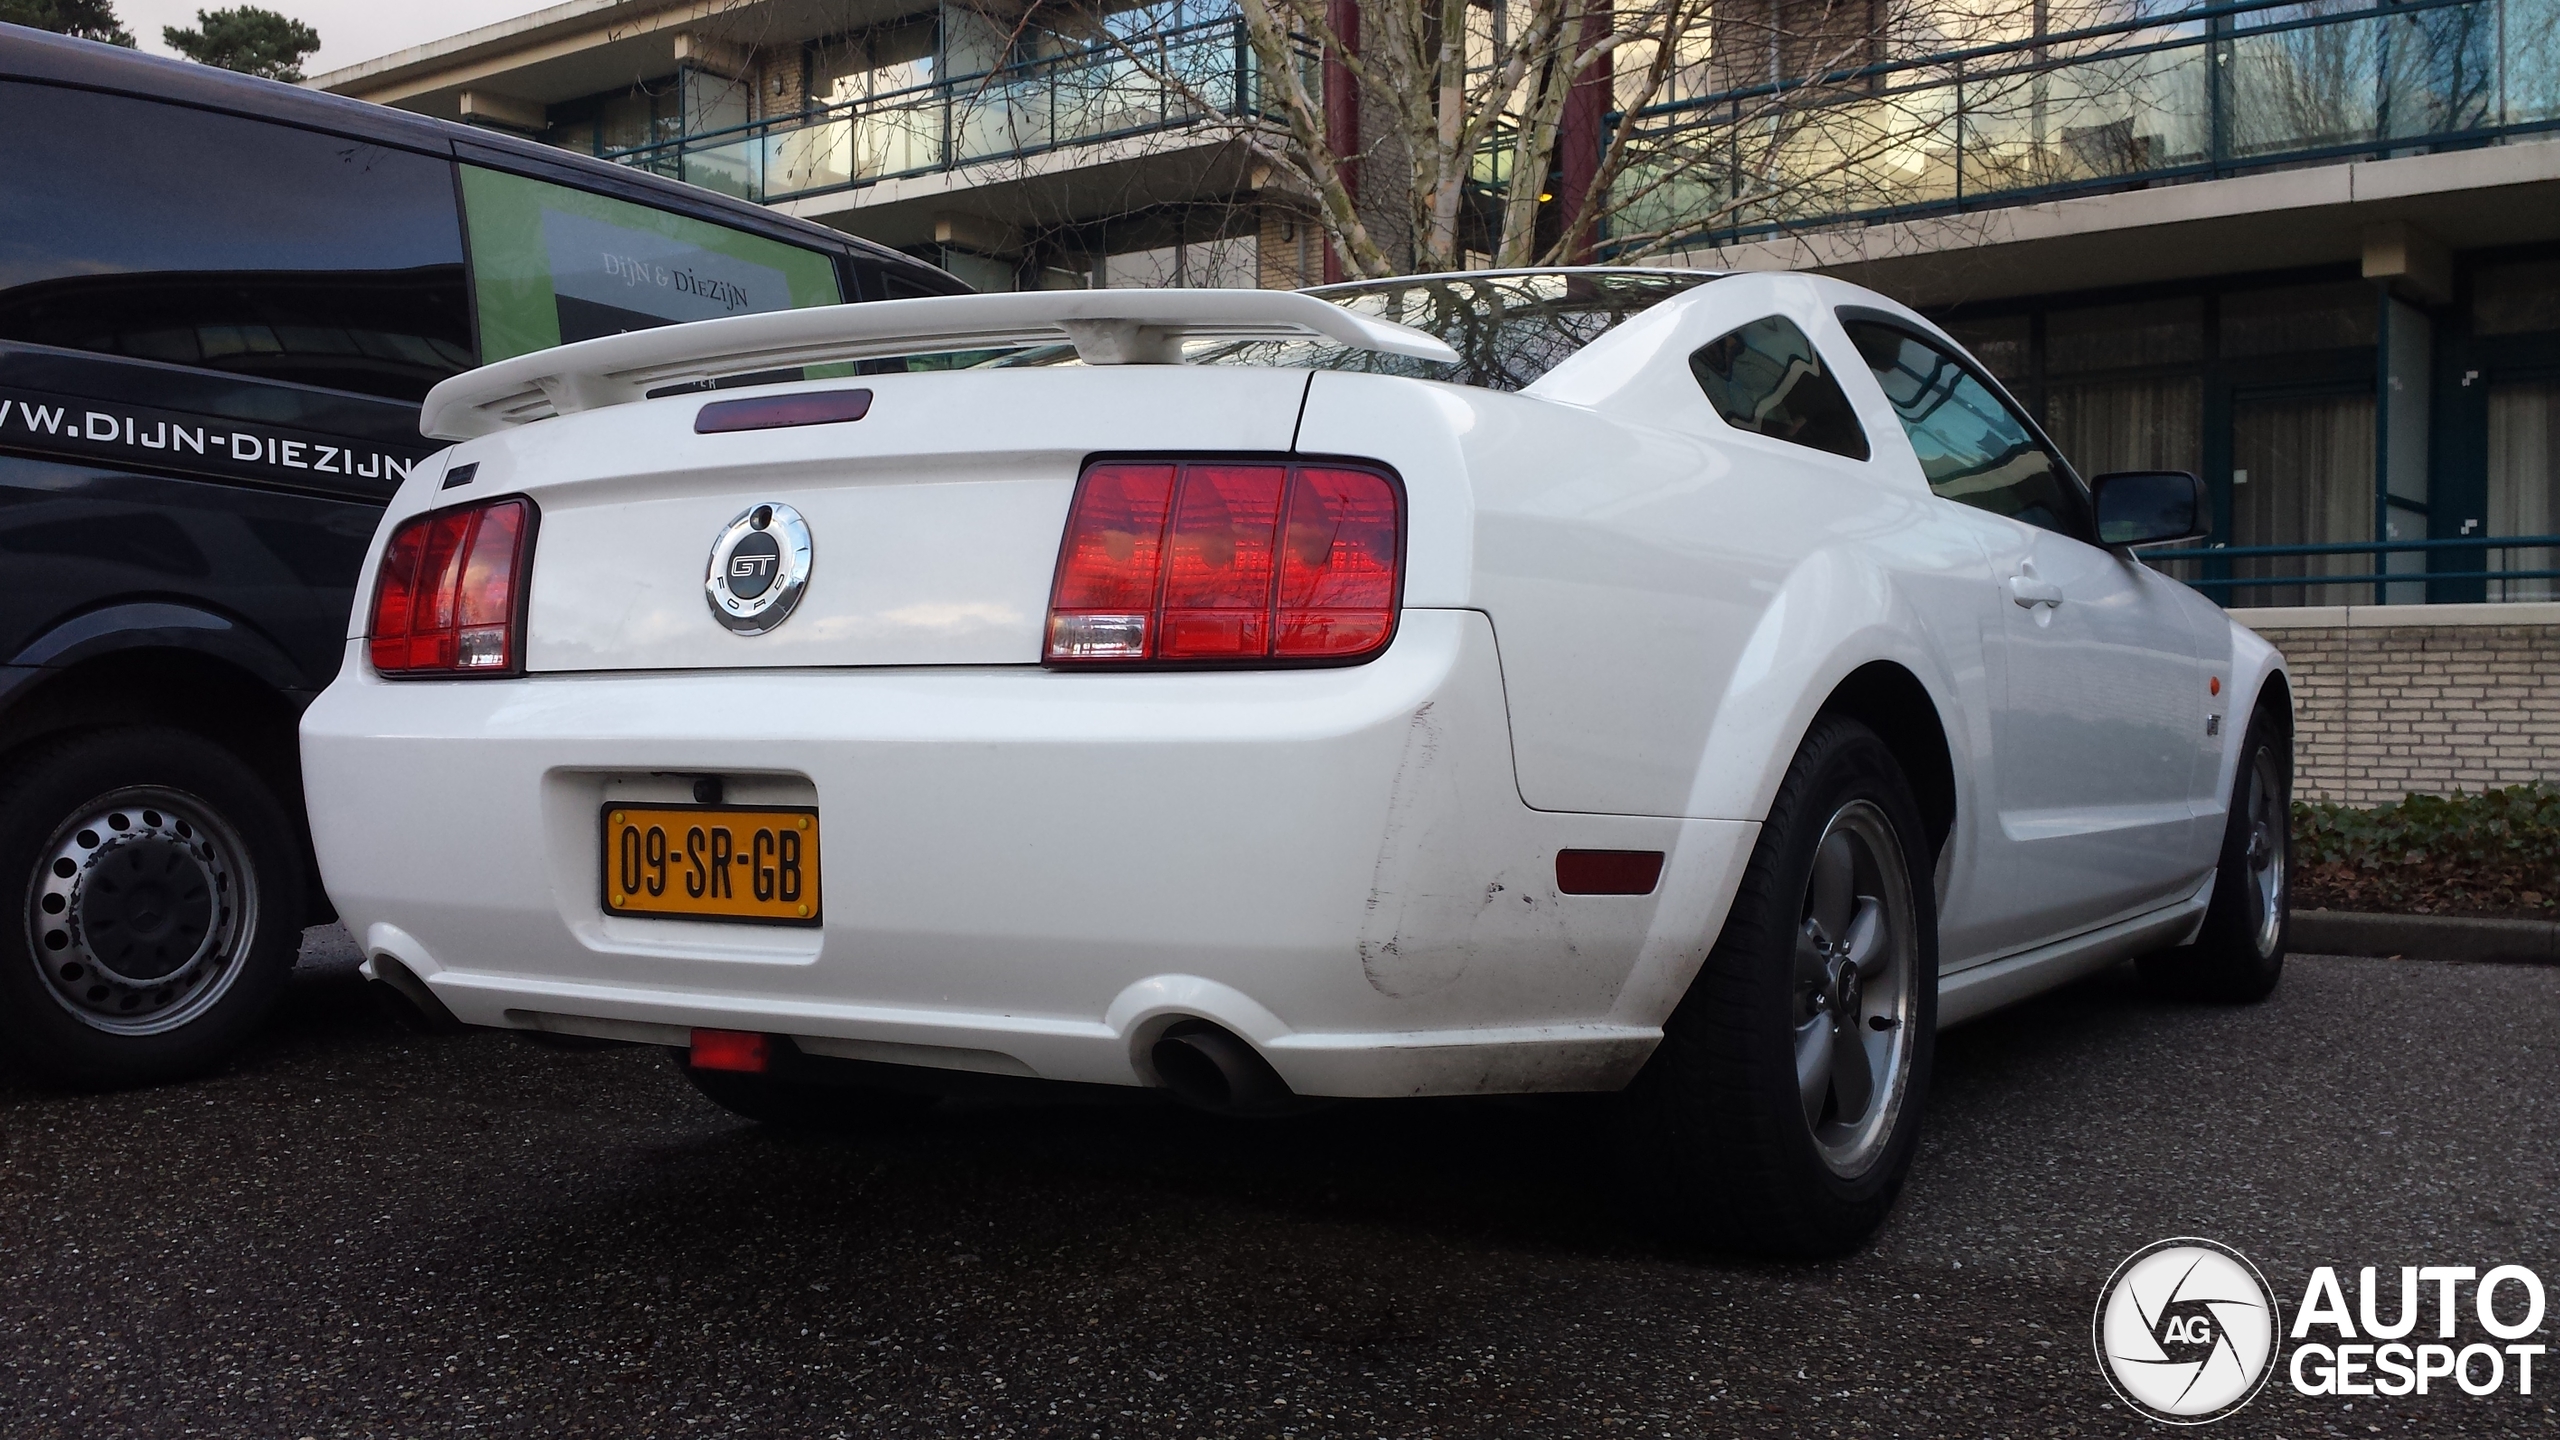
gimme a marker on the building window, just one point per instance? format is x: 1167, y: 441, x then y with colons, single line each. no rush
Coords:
x: 2298, y: 318
x: 2302, y: 474
x: 2524, y: 481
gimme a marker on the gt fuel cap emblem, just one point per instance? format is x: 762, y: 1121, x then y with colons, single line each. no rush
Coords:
x: 759, y: 566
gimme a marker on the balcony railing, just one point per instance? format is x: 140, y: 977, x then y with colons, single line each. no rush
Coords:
x: 1161, y: 81
x: 2193, y: 94
x: 2408, y: 572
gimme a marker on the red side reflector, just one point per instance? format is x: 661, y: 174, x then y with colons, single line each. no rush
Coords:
x: 741, y: 1050
x: 777, y: 412
x: 1608, y: 872
x: 1230, y: 562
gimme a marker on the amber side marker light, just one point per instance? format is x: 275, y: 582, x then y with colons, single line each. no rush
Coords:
x: 1608, y: 872
x: 743, y: 1051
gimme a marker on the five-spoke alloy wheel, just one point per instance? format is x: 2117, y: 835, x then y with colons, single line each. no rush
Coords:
x: 1855, y: 953
x: 1782, y: 1109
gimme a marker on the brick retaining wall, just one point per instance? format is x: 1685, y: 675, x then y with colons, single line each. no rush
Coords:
x: 2390, y: 699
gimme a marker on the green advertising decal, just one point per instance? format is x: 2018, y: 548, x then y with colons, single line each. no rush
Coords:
x: 552, y: 265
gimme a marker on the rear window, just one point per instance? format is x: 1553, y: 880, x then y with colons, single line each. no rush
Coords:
x: 156, y: 232
x: 552, y: 265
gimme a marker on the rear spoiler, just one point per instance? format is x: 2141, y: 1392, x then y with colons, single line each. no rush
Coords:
x: 1107, y: 327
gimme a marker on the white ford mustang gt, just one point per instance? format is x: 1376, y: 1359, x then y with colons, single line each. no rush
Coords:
x: 1696, y: 686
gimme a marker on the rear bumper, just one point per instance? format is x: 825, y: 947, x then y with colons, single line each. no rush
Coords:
x: 1031, y: 872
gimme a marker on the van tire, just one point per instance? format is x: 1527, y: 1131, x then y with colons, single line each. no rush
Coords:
x: 154, y: 894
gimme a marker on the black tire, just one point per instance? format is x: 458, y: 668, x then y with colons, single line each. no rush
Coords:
x: 2239, y: 954
x: 154, y: 892
x: 1730, y: 1147
x: 799, y: 1102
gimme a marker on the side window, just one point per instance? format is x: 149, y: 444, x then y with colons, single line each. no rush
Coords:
x: 157, y: 232
x: 1973, y: 448
x: 550, y: 264
x: 1768, y: 379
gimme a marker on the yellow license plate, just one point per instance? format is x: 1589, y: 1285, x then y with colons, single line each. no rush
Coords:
x: 712, y: 862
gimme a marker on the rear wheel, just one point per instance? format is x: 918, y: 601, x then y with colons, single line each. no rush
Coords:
x: 1782, y: 1109
x: 158, y: 897
x: 2239, y: 954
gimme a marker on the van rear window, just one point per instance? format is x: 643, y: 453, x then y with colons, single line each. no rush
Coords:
x: 133, y: 228
x: 552, y: 265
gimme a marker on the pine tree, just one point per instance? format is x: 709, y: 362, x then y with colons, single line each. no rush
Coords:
x: 247, y: 39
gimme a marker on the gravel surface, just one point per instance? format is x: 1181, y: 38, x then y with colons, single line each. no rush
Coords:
x: 357, y: 1231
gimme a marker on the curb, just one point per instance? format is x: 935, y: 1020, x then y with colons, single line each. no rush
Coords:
x: 2427, y: 937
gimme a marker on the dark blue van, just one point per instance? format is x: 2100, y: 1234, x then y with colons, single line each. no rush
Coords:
x: 221, y: 301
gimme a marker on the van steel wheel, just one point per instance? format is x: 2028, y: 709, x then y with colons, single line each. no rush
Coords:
x: 1782, y: 1109
x: 2239, y: 953
x: 141, y: 914
x: 157, y: 889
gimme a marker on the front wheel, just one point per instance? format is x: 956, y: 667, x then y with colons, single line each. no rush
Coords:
x: 1781, y: 1112
x: 2239, y: 954
x: 158, y: 895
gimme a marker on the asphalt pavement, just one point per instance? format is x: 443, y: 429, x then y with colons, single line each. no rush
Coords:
x: 358, y: 1231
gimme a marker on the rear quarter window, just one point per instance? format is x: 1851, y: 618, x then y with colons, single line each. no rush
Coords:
x: 134, y: 228
x: 551, y: 265
x: 1768, y: 379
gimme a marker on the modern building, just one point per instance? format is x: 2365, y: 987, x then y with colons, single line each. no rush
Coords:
x: 2309, y: 251
x: 1011, y: 153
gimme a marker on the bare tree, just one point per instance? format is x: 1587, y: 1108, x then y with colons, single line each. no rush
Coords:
x: 1449, y: 134
x: 1439, y: 134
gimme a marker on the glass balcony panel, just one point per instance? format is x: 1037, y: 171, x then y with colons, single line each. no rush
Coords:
x: 1110, y: 98
x: 900, y: 137
x: 2529, y: 73
x: 998, y: 115
x: 2106, y: 117
x: 1680, y: 180
x: 1868, y: 154
x: 2305, y: 89
x: 814, y: 156
x: 732, y: 167
x: 2440, y: 75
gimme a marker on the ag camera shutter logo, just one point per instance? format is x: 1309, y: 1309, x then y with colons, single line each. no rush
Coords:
x: 2186, y: 1330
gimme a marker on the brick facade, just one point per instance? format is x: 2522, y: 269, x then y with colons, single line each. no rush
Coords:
x: 2395, y: 699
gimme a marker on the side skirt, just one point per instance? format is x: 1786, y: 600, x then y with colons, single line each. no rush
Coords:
x: 1978, y: 990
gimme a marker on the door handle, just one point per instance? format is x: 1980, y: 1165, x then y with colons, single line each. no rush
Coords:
x: 2031, y: 592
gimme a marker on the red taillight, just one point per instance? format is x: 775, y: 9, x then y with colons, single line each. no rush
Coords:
x: 1210, y: 562
x: 446, y: 602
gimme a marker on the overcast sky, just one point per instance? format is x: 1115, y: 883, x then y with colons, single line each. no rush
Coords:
x: 350, y: 30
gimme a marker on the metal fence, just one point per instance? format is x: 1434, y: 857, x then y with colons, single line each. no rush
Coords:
x: 2401, y: 572
x: 2188, y: 94
x: 1159, y: 81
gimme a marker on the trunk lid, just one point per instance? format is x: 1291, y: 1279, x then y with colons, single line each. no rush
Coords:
x: 934, y: 520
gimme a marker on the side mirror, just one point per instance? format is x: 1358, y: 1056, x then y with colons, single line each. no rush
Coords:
x: 2151, y: 507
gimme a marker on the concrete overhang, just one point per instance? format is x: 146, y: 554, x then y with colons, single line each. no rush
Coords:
x: 1066, y: 186
x: 588, y: 47
x: 2317, y: 215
